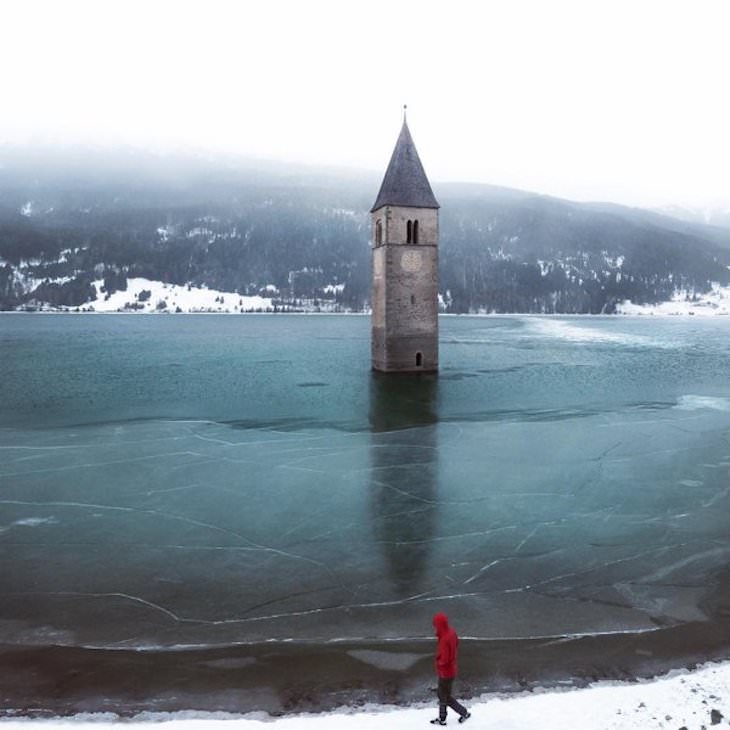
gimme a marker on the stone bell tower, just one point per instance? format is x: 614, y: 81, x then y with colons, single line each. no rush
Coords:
x: 405, y: 265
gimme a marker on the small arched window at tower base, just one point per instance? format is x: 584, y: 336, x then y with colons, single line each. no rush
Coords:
x: 419, y: 359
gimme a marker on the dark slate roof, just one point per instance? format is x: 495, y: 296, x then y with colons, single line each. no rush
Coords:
x: 405, y: 182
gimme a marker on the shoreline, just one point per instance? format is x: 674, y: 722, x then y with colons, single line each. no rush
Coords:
x: 485, y: 315
x: 693, y: 698
x: 290, y: 678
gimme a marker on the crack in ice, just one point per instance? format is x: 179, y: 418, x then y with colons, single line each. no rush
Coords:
x: 253, y: 545
x: 94, y: 465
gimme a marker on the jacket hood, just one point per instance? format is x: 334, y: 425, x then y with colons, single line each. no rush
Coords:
x: 440, y: 623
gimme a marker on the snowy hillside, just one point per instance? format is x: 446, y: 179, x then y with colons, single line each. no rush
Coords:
x: 145, y: 295
x: 242, y: 230
x: 716, y: 301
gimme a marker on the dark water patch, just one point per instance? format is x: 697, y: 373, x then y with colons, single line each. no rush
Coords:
x: 290, y: 425
x: 61, y: 427
x: 510, y: 369
x: 273, y: 424
x: 652, y: 405
x: 525, y: 415
x: 401, y: 407
x: 539, y: 415
x: 458, y: 376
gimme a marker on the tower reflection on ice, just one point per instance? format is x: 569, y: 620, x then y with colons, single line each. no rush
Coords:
x: 404, y: 475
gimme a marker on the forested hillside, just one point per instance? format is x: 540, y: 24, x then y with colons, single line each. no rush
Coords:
x: 70, y: 218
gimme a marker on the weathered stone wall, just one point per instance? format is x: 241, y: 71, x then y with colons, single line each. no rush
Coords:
x: 395, y: 221
x: 405, y: 291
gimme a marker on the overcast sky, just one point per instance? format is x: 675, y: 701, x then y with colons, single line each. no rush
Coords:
x: 626, y: 101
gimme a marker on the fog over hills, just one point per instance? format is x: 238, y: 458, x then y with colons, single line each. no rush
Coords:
x: 71, y: 217
x: 714, y: 215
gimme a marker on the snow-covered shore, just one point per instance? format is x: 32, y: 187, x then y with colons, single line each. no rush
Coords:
x: 146, y: 295
x: 681, y: 699
x: 714, y: 302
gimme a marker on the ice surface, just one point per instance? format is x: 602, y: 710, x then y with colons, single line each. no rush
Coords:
x: 524, y: 529
x: 217, y: 481
x: 529, y: 489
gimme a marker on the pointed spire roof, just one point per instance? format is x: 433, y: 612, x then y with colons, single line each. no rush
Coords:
x: 405, y: 182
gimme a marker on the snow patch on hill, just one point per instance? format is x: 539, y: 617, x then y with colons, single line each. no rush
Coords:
x: 145, y: 295
x: 716, y: 301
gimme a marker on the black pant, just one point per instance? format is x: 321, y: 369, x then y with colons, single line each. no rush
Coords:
x: 445, y: 699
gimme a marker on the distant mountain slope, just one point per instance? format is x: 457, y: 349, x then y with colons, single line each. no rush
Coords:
x: 301, y: 235
x: 715, y: 215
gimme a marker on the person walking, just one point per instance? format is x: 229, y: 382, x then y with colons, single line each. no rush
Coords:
x: 446, y: 668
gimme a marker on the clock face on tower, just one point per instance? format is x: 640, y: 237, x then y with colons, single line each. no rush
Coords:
x: 411, y: 261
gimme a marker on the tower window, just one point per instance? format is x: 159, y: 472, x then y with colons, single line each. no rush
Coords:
x: 415, y: 231
x: 378, y: 232
x: 409, y: 232
x: 419, y: 359
x: 413, y: 300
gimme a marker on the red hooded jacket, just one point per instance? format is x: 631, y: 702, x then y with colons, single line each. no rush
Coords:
x: 448, y: 643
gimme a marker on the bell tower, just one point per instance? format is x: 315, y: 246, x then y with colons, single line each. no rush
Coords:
x: 405, y: 265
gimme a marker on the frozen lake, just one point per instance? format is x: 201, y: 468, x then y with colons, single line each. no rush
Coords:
x: 216, y: 481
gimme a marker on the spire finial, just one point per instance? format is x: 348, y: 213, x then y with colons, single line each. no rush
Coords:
x: 405, y: 107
